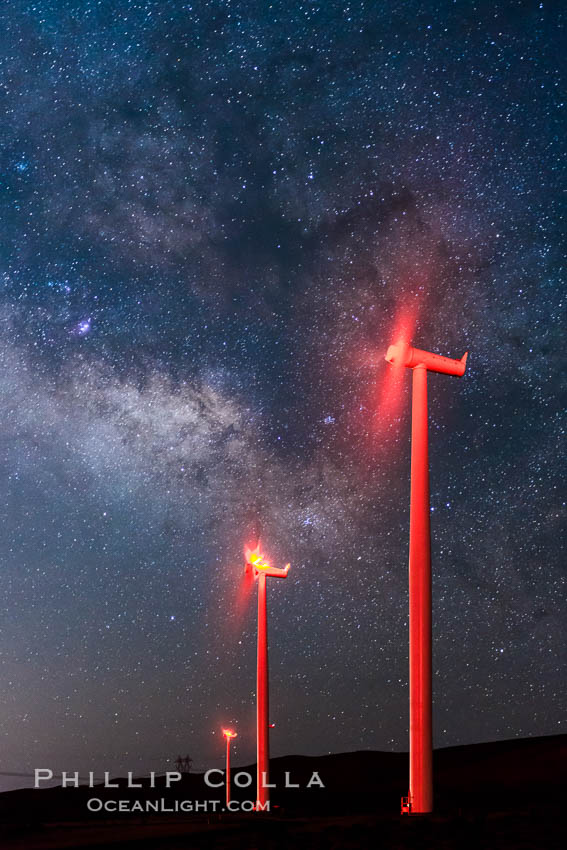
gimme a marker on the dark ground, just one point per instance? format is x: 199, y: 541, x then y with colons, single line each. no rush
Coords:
x: 508, y: 794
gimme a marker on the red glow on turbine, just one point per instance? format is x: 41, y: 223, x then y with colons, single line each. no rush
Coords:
x: 254, y: 558
x: 389, y: 406
x: 401, y: 355
x: 257, y: 564
x: 243, y: 596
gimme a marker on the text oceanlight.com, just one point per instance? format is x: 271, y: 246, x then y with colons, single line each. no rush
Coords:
x: 95, y: 804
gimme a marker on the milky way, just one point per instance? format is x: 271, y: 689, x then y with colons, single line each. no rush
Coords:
x: 214, y: 215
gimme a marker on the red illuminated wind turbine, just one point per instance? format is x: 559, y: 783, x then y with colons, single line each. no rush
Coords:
x: 262, y: 570
x: 420, y: 795
x: 229, y: 735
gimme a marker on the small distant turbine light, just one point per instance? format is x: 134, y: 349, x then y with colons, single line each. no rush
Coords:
x: 228, y: 734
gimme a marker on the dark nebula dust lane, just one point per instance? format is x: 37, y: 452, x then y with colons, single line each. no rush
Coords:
x: 216, y: 216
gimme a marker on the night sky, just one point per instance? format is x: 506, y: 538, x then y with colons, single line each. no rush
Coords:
x: 215, y: 217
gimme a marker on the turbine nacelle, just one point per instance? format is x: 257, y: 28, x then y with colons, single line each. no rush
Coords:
x: 255, y: 561
x: 402, y: 354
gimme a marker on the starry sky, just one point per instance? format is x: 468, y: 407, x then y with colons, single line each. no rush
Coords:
x: 214, y: 217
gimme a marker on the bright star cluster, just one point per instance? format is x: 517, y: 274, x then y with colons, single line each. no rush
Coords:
x: 213, y: 215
